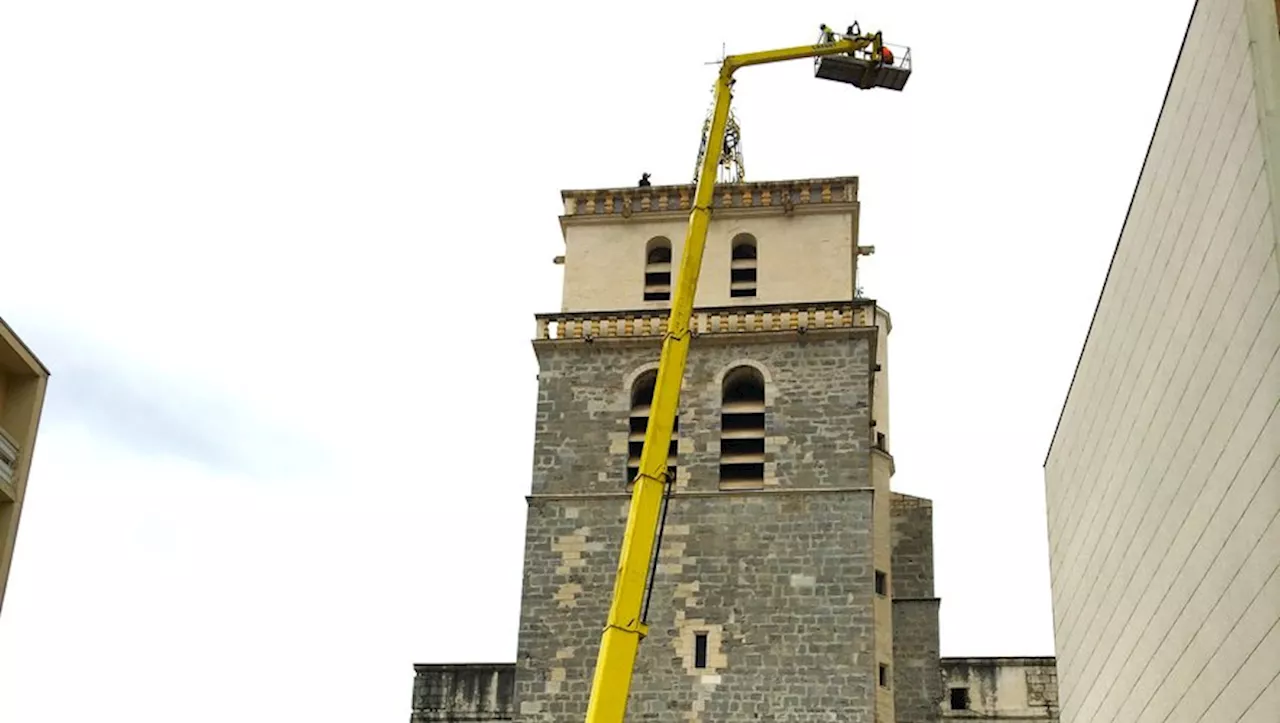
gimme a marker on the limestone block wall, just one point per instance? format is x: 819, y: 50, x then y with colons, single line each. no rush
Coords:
x: 805, y: 233
x: 912, y: 547
x: 781, y: 585
x: 817, y: 409
x: 779, y: 579
x: 1162, y: 483
x: 917, y: 678
x: 801, y: 259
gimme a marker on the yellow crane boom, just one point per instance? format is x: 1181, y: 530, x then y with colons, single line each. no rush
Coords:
x: 624, y: 627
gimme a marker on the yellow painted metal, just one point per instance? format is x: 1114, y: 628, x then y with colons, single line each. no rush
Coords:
x: 624, y: 629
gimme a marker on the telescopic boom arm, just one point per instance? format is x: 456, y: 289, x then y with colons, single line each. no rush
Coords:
x: 624, y: 628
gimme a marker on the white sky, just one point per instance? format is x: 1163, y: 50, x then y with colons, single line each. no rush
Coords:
x: 283, y: 260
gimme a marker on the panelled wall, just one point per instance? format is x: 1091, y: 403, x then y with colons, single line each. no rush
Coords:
x: 1162, y: 482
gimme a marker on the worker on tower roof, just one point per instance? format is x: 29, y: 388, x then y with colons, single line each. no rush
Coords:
x: 644, y: 181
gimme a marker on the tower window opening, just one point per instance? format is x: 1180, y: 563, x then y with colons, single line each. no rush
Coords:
x: 742, y: 429
x: 657, y: 270
x: 700, y: 650
x: 884, y: 676
x: 959, y: 699
x: 743, y: 267
x: 641, y: 401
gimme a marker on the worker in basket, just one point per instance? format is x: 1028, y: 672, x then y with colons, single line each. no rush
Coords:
x: 886, y: 55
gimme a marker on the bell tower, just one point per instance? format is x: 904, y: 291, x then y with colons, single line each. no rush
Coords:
x: 773, y: 592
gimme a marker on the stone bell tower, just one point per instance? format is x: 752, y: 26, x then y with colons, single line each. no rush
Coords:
x: 786, y: 565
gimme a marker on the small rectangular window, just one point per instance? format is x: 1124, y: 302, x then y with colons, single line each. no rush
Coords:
x: 700, y: 650
x: 884, y: 676
x: 959, y: 699
x: 882, y: 584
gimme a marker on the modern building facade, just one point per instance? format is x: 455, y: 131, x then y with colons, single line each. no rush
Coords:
x: 791, y: 584
x: 22, y: 385
x: 1162, y: 482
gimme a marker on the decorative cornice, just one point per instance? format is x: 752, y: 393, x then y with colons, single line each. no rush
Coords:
x: 437, y: 667
x: 726, y: 320
x: 618, y: 204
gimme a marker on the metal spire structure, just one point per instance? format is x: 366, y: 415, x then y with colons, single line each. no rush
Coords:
x: 730, y: 167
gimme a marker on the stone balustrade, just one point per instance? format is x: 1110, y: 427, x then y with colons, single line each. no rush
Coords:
x: 786, y: 195
x: 706, y: 321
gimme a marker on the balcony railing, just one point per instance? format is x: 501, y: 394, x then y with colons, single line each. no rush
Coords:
x: 721, y: 320
x: 8, y: 457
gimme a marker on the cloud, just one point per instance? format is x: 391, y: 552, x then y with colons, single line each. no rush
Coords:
x: 150, y: 412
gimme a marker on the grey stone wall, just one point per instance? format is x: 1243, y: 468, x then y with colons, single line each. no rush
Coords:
x: 917, y: 677
x: 781, y: 583
x: 780, y: 580
x: 912, y: 556
x: 817, y: 409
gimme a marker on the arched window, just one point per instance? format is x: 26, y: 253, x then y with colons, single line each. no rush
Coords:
x: 742, y: 429
x: 657, y: 270
x: 742, y: 266
x: 641, y: 401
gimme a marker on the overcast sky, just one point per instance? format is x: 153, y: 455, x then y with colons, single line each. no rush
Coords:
x: 283, y: 260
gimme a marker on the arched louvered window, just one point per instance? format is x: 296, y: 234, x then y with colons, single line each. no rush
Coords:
x: 657, y: 270
x: 742, y: 429
x: 641, y: 401
x: 743, y: 266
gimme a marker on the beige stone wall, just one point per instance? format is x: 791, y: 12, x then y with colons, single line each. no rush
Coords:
x: 1013, y: 690
x: 1162, y: 482
x: 803, y: 257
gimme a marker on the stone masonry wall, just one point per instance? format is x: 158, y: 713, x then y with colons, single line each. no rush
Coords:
x: 917, y: 675
x: 780, y: 580
x: 476, y: 693
x: 1015, y: 690
x: 817, y: 410
x: 917, y: 678
x: 782, y: 585
x: 912, y: 557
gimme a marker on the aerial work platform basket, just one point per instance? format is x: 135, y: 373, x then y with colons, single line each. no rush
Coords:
x: 864, y: 70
